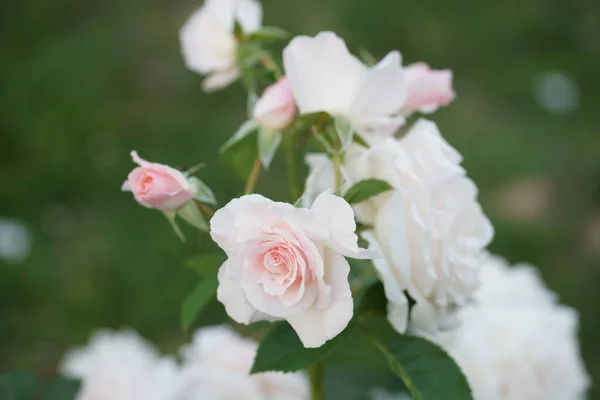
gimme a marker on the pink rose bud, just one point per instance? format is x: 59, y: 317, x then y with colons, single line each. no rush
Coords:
x: 427, y: 88
x: 157, y: 186
x: 276, y: 108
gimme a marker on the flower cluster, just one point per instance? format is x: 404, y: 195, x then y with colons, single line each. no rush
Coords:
x: 216, y: 366
x: 382, y: 186
x: 515, y: 341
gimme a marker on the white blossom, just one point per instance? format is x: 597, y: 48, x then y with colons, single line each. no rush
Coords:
x: 515, y: 342
x: 121, y: 366
x: 208, y: 41
x: 216, y: 366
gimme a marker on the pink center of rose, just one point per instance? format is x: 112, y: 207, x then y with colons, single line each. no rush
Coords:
x: 145, y: 184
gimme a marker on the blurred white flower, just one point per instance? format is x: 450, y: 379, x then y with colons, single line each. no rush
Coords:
x: 121, y: 366
x: 15, y: 240
x: 208, y: 42
x: 217, y: 367
x: 326, y: 77
x: 556, y: 92
x: 515, y: 342
x: 430, y: 228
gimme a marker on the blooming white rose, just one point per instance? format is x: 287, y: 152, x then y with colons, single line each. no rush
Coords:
x: 326, y: 77
x: 288, y: 263
x: 217, y: 366
x: 427, y: 89
x: 515, y: 342
x: 208, y: 42
x: 121, y: 366
x: 430, y: 228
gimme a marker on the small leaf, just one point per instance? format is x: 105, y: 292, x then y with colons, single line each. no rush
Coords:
x: 205, y: 264
x: 241, y: 156
x: 195, y: 302
x: 249, y: 54
x: 189, y: 213
x: 428, y: 372
x: 269, y: 33
x: 171, y: 217
x: 201, y: 191
x: 61, y: 389
x: 282, y: 350
x: 344, y: 131
x: 244, y: 130
x: 268, y: 143
x: 368, y: 58
x: 359, y: 140
x: 366, y: 189
x: 251, y: 103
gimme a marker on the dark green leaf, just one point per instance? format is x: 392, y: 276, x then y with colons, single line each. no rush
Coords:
x: 268, y: 33
x: 366, y: 189
x: 359, y: 140
x: 61, y: 389
x: 206, y: 264
x: 195, y: 302
x: 373, y: 301
x: 428, y: 372
x: 242, y: 155
x: 282, y: 350
x: 18, y: 386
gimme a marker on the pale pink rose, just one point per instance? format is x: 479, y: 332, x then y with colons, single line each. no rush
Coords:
x: 288, y: 263
x: 157, y: 186
x: 276, y: 108
x: 428, y: 89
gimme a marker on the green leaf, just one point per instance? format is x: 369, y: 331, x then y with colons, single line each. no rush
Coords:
x: 251, y: 102
x: 61, y: 389
x: 244, y: 130
x: 282, y: 350
x: 366, y: 189
x: 268, y: 33
x: 206, y: 264
x: 360, y: 141
x: 373, y: 301
x: 268, y: 143
x: 249, y: 54
x: 344, y: 131
x: 428, y: 372
x: 18, y: 386
x: 189, y: 213
x: 195, y: 302
x: 201, y: 191
x: 241, y: 156
x: 171, y: 217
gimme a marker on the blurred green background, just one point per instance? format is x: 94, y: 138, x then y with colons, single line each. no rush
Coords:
x: 82, y: 83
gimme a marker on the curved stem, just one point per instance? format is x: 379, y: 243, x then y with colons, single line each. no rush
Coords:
x: 253, y: 178
x: 315, y: 374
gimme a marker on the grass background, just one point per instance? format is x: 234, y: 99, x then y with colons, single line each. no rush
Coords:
x: 83, y: 83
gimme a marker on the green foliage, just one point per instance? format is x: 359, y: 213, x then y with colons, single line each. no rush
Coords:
x: 269, y: 33
x: 202, y: 192
x: 268, y: 143
x: 241, y: 155
x: 206, y: 264
x: 196, y: 301
x: 373, y: 301
x: 190, y: 213
x: 282, y: 350
x: 366, y: 189
x: 428, y: 372
x: 25, y: 386
x: 344, y: 131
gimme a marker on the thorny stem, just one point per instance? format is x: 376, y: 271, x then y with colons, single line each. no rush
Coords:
x: 253, y: 178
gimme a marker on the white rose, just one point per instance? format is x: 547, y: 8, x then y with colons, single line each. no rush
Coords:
x: 515, y: 342
x: 208, y: 42
x: 326, y: 77
x: 217, y: 366
x: 430, y: 228
x: 121, y: 366
x: 288, y: 263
